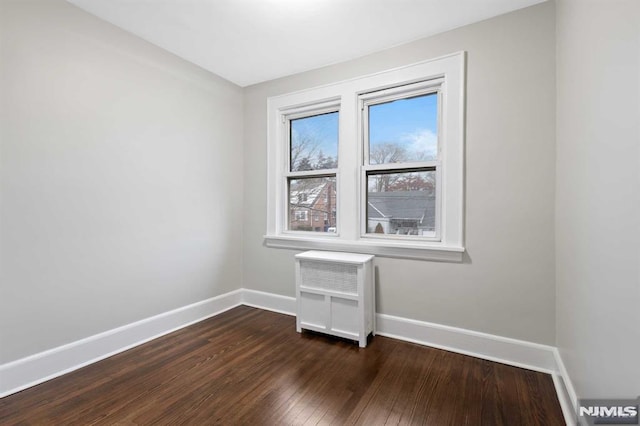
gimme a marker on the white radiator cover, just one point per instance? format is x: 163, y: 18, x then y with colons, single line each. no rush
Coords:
x: 335, y: 294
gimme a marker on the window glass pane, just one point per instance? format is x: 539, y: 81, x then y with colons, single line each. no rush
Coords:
x: 401, y: 203
x: 312, y: 204
x: 404, y: 130
x: 314, y: 142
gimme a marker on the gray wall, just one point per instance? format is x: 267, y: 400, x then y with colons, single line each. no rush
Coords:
x: 120, y: 174
x: 598, y: 196
x: 506, y: 284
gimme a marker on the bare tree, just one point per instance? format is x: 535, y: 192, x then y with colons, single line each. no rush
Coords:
x: 384, y: 153
x: 387, y: 152
x: 416, y: 181
x: 392, y: 152
x: 306, y: 146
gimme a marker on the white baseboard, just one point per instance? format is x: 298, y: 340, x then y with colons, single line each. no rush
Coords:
x: 519, y: 353
x: 269, y: 301
x: 38, y: 368
x: 565, y: 390
x: 34, y: 369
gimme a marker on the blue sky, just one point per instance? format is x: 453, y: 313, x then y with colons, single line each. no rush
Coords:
x: 388, y: 122
x: 411, y: 122
x: 321, y: 128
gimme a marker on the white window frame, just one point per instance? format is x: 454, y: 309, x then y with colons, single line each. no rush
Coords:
x: 286, y: 116
x: 448, y: 73
x: 432, y: 86
x: 301, y: 216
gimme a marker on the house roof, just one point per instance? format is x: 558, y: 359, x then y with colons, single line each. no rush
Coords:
x: 410, y: 205
x: 311, y: 193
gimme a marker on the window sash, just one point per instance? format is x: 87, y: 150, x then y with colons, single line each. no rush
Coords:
x: 304, y: 112
x: 406, y: 91
x: 288, y: 217
x: 364, y: 194
x: 299, y: 116
x: 393, y: 94
x: 288, y: 175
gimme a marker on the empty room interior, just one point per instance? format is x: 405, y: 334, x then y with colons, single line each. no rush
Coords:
x: 319, y: 212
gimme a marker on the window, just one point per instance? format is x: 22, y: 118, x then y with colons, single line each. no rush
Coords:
x: 312, y: 167
x: 301, y: 215
x: 397, y: 189
x: 401, y: 161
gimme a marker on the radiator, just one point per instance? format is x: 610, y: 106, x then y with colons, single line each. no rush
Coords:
x: 335, y: 294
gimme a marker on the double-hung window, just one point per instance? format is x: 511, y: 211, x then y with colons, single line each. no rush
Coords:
x: 397, y: 189
x: 401, y: 162
x: 312, y: 148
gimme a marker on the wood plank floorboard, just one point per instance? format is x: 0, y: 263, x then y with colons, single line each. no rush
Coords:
x: 250, y: 367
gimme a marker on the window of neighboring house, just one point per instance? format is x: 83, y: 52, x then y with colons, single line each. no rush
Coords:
x: 312, y: 163
x: 301, y: 216
x: 398, y: 190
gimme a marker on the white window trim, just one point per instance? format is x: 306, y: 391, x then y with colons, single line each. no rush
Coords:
x: 347, y: 95
x: 286, y: 115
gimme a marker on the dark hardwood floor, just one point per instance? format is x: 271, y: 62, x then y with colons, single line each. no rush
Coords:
x: 250, y: 367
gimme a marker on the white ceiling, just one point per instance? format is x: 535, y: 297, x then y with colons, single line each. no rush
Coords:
x: 250, y: 41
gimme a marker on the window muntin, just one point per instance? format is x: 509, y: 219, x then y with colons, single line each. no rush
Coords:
x: 402, y: 162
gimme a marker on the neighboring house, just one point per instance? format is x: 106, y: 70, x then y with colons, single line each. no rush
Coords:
x: 312, y: 207
x: 401, y: 212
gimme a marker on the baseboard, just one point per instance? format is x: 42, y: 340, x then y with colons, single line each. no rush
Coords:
x: 565, y: 390
x: 519, y: 353
x: 269, y: 301
x: 35, y: 369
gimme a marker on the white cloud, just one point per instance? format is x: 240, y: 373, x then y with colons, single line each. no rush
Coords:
x: 422, y: 144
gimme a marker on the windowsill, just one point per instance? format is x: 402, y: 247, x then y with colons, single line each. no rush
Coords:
x: 403, y: 250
